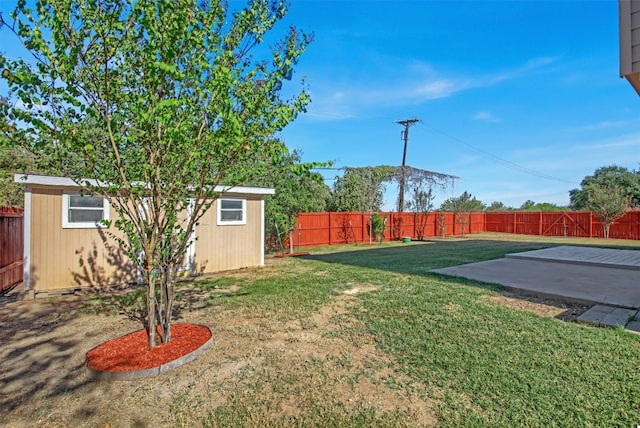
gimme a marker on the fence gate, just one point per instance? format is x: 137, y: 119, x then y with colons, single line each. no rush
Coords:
x: 11, y: 247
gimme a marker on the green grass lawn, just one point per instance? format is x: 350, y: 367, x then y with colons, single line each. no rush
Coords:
x: 497, y: 366
x: 482, y: 363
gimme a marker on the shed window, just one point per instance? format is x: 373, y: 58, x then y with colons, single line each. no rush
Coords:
x: 232, y: 211
x: 83, y: 211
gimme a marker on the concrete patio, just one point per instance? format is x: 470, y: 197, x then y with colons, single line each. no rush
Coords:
x: 607, y: 278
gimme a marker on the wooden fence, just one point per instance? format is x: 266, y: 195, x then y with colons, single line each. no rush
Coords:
x: 581, y: 224
x: 341, y: 228
x: 11, y: 245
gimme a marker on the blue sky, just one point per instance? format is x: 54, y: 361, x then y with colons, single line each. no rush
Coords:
x: 519, y: 99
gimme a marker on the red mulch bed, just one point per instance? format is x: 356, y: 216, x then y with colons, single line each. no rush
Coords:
x: 131, y: 352
x: 291, y: 254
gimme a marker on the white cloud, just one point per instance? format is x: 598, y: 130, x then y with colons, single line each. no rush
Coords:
x: 486, y: 116
x: 329, y: 114
x: 420, y: 83
x: 441, y: 88
x: 333, y: 107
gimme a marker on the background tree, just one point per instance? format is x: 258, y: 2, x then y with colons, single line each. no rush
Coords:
x: 421, y: 180
x: 421, y: 204
x: 462, y: 207
x: 13, y: 159
x: 16, y: 158
x: 360, y: 189
x: 378, y: 225
x: 527, y: 205
x: 607, y: 176
x: 608, y: 203
x: 532, y: 206
x: 297, y: 190
x: 179, y: 104
x: 497, y: 206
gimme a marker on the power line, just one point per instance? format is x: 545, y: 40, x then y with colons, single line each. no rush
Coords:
x: 504, y: 162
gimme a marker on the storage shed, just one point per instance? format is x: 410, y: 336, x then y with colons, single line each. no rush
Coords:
x: 66, y: 248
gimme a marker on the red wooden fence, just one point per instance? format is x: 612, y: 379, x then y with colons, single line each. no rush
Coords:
x: 342, y: 228
x: 571, y: 224
x: 11, y: 245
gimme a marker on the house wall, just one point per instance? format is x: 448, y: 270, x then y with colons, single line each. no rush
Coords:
x: 221, y: 248
x: 62, y: 259
x: 629, y: 28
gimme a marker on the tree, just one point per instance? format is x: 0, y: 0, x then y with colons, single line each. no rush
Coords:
x: 608, y: 203
x: 179, y: 105
x: 607, y: 176
x: 297, y: 190
x: 422, y: 181
x: 465, y: 202
x: 462, y: 206
x: 378, y: 225
x: 360, y: 189
x: 529, y: 205
x: 497, y: 206
x: 421, y: 203
x: 12, y: 160
x: 15, y: 158
x: 549, y: 207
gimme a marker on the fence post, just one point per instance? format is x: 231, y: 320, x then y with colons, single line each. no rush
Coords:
x: 590, y: 224
x: 329, y: 228
x: 454, y: 224
x: 540, y: 224
x: 484, y: 222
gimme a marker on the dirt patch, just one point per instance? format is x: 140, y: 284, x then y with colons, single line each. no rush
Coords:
x: 275, y: 369
x: 360, y: 289
x: 542, y: 306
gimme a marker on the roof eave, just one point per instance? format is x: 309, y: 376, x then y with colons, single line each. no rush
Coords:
x: 45, y: 180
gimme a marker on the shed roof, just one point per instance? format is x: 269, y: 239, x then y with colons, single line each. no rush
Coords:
x: 44, y: 180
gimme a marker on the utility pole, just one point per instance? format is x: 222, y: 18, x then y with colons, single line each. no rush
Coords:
x: 407, y: 123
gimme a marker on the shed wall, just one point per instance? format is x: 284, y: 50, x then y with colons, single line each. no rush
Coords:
x: 62, y: 259
x: 72, y: 258
x: 221, y: 248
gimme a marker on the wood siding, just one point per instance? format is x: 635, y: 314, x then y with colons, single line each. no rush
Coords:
x: 62, y: 259
x: 220, y: 248
x: 72, y: 258
x: 629, y: 31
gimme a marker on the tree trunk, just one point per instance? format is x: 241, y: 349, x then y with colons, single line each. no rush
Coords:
x: 606, y: 226
x: 291, y: 241
x: 167, y: 303
x: 151, y: 305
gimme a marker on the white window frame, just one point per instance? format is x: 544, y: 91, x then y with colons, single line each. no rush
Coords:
x: 66, y: 224
x: 231, y: 222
